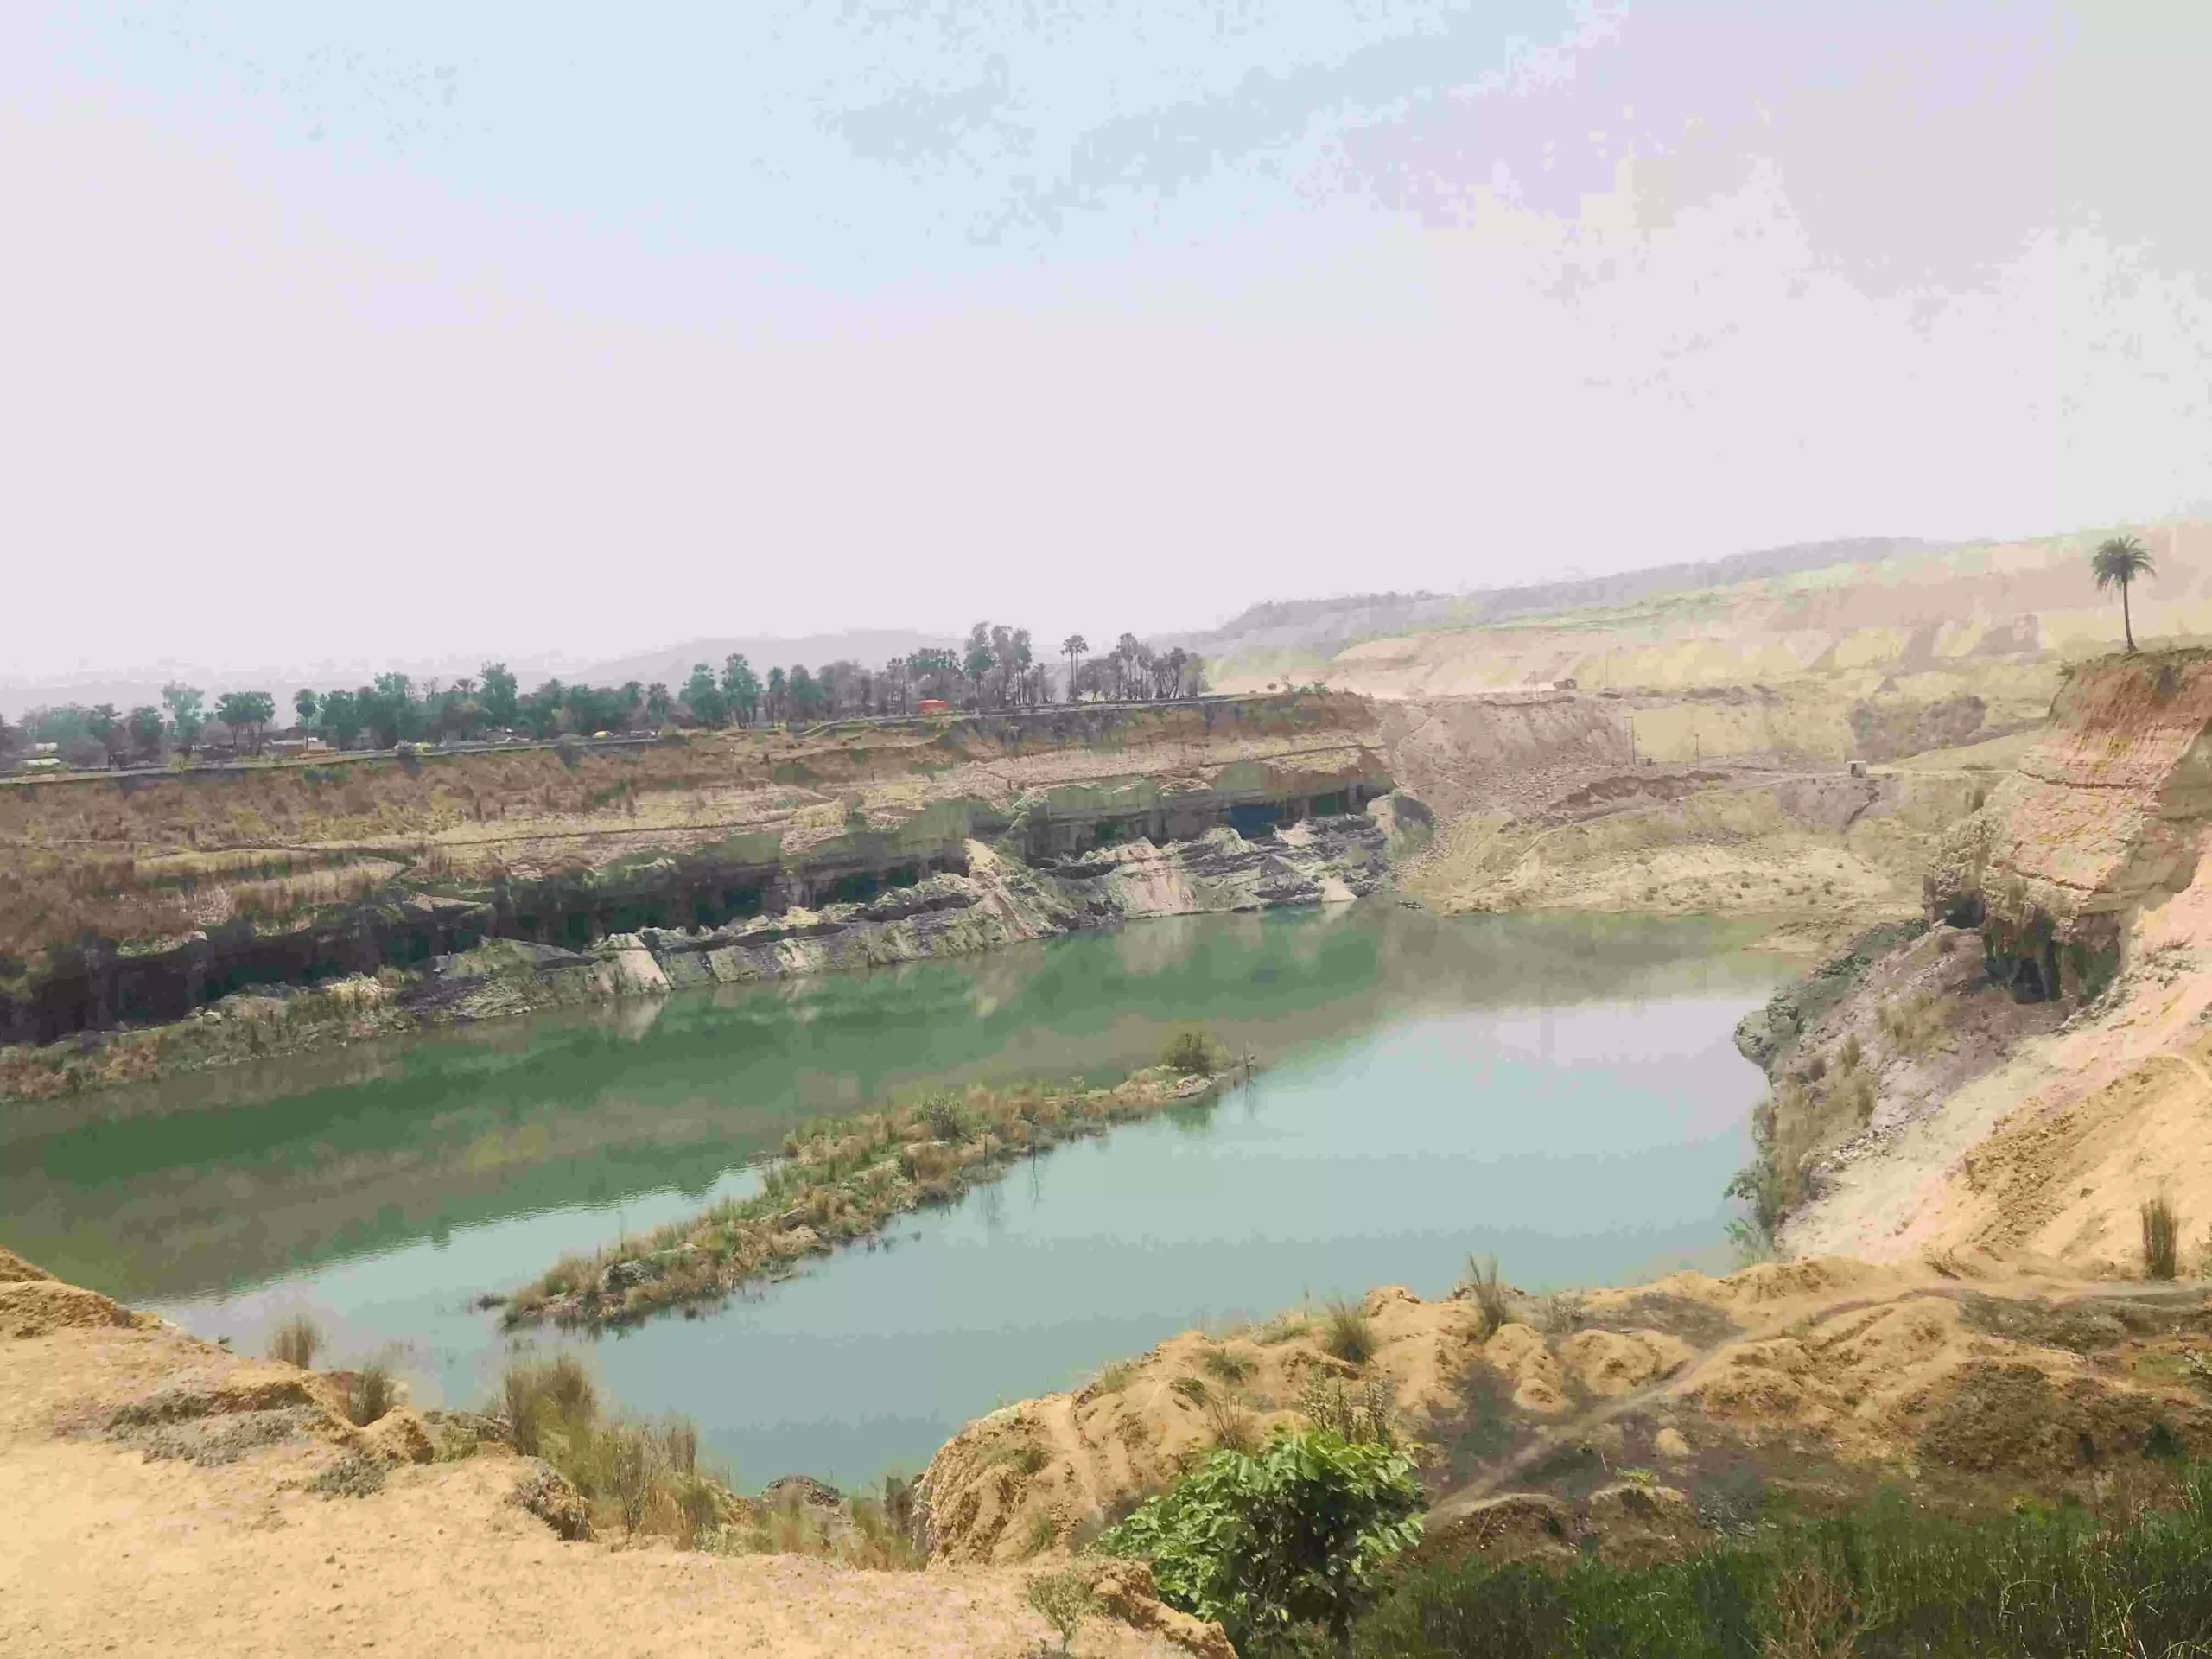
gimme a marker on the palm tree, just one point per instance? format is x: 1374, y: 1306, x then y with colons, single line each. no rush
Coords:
x: 1072, y: 648
x: 2121, y: 560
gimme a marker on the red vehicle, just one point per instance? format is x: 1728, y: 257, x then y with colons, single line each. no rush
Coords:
x: 933, y: 706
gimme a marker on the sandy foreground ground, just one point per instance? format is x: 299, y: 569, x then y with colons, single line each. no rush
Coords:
x: 106, y: 1552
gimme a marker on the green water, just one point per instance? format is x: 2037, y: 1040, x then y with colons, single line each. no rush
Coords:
x: 1562, y: 1091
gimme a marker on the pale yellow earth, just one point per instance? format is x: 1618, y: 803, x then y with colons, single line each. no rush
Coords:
x: 106, y: 1552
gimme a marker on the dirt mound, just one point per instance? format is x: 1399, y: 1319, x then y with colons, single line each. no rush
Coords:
x: 1126, y: 1592
x: 14, y: 1269
x: 545, y: 1493
x: 33, y: 1307
x: 1637, y: 1419
x: 1035, y: 1477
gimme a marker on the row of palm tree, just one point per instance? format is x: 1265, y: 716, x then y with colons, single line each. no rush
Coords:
x: 1131, y: 671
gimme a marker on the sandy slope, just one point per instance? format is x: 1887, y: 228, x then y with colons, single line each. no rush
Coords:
x: 108, y: 1552
x: 1977, y: 1379
x: 2054, y: 1149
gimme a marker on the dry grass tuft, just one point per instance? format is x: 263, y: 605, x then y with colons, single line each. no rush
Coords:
x: 2161, y: 1239
x: 1491, y: 1296
x: 1228, y: 1365
x: 1347, y: 1333
x: 296, y: 1342
x: 1559, y: 1313
x: 374, y: 1392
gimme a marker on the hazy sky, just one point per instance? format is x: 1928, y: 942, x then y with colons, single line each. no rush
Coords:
x: 434, y: 328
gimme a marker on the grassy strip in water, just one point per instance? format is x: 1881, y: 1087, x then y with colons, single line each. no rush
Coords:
x: 842, y: 1179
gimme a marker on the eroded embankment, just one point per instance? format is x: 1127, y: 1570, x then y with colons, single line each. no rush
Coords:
x: 2031, y: 1072
x: 525, y: 882
x: 1568, y: 798
x: 1635, y: 1422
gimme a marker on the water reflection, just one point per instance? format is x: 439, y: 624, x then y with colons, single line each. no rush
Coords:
x: 1558, y: 1089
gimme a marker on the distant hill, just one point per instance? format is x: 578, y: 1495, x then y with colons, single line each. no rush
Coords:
x: 1276, y: 631
x: 1324, y: 626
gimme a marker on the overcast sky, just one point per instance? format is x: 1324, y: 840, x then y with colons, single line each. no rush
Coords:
x: 436, y: 328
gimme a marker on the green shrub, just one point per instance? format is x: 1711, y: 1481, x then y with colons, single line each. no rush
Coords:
x: 1883, y: 1581
x: 1064, y: 1599
x: 1194, y: 1053
x: 1760, y: 1185
x: 1295, y: 1535
x: 946, y: 1121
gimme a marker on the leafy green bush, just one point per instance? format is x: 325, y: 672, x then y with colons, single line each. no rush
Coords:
x: 1294, y: 1535
x: 1760, y: 1185
x: 947, y: 1122
x: 1194, y: 1053
x: 1881, y: 1582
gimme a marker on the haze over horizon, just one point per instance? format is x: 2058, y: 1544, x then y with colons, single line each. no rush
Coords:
x: 422, y: 335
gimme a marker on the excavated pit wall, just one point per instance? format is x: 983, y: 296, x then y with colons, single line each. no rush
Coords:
x: 889, y: 887
x: 2101, y: 821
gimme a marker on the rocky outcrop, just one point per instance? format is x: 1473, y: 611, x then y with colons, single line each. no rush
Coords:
x: 1126, y: 1592
x: 1766, y: 1035
x: 2101, y: 821
x: 994, y: 897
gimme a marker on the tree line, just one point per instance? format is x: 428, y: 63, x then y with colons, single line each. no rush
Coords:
x: 996, y: 668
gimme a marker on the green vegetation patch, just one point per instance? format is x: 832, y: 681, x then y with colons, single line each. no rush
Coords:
x: 1295, y: 1535
x: 840, y: 1179
x: 1883, y: 1581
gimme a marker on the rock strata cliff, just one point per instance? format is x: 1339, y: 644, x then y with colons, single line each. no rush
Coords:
x: 2101, y: 821
x: 488, y: 884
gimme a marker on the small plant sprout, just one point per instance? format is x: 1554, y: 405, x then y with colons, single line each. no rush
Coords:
x: 1063, y: 1599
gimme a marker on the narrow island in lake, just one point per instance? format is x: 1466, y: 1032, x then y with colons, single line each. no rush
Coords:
x: 846, y: 1178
